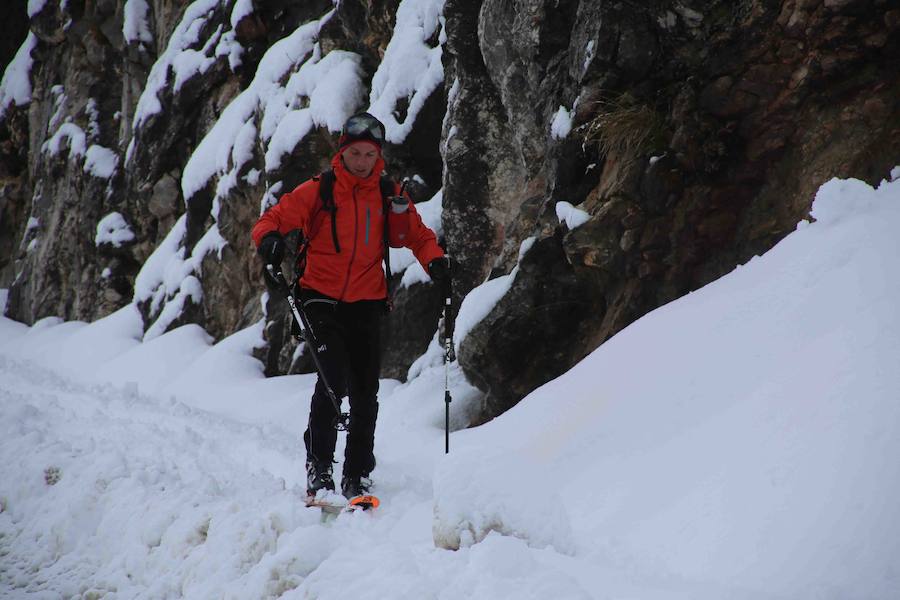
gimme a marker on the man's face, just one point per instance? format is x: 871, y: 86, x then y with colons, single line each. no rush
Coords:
x: 360, y: 158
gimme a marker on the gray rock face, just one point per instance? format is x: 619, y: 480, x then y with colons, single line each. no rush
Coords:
x: 72, y: 173
x: 14, y: 182
x: 693, y: 135
x: 745, y: 110
x: 484, y: 174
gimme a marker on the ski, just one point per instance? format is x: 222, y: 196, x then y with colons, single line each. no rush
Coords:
x: 334, y: 504
x: 364, y: 502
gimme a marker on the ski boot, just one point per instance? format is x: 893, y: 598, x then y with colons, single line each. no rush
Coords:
x: 356, y: 491
x: 354, y: 486
x: 318, y: 477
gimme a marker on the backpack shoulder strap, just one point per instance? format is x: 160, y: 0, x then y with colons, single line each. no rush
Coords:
x: 388, y: 188
x: 326, y: 189
x: 326, y: 194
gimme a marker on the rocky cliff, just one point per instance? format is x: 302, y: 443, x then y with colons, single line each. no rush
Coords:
x: 681, y: 137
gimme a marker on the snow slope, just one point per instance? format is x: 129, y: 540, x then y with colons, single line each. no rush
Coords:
x: 744, y: 438
x: 740, y: 442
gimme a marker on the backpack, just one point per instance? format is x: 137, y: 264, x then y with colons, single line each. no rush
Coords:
x: 326, y: 195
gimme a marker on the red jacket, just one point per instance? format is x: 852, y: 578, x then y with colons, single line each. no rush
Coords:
x: 356, y: 272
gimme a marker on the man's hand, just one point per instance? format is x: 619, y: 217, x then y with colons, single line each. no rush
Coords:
x: 439, y: 270
x: 271, y: 249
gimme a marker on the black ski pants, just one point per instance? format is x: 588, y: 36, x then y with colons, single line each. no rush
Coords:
x: 348, y: 342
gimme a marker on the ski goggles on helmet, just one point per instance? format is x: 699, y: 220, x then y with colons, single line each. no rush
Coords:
x: 362, y: 127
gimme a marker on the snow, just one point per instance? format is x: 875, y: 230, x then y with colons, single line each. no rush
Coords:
x: 668, y: 20
x: 735, y: 443
x: 188, y: 62
x: 135, y: 27
x: 488, y: 497
x: 228, y: 146
x: 58, y: 117
x: 35, y: 7
x: 270, y: 196
x: 570, y: 215
x: 481, y: 301
x: 691, y: 17
x: 431, y: 212
x: 588, y: 56
x: 178, y: 59
x: 93, y: 113
x: 402, y: 259
x: 756, y: 462
x: 242, y: 8
x: 100, y: 162
x: 739, y: 442
x: 292, y: 128
x: 112, y: 229
x: 152, y: 275
x: 15, y: 87
x: 561, y: 125
x: 410, y: 69
x: 333, y: 87
x: 252, y: 176
x: 230, y: 47
x: 73, y: 134
x: 168, y: 279
x: 188, y: 288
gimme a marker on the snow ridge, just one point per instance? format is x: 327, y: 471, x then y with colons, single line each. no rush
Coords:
x: 135, y: 27
x: 411, y: 69
x: 15, y: 87
x: 180, y: 61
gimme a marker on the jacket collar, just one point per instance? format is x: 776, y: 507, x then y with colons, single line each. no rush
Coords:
x: 342, y: 174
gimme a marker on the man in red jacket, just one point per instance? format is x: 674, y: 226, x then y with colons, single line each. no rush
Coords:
x: 343, y: 291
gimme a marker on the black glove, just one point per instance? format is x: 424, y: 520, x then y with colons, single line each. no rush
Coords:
x: 271, y: 248
x: 439, y: 270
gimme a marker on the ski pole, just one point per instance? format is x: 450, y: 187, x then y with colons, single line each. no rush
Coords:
x: 342, y: 421
x: 448, y: 348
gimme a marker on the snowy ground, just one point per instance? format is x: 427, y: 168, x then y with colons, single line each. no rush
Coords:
x: 741, y: 442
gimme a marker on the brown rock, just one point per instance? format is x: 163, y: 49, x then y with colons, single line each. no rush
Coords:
x: 876, y: 111
x: 718, y: 226
x: 634, y: 218
x: 165, y: 197
x: 655, y: 234
x: 250, y: 28
x: 647, y: 270
x: 799, y: 76
x: 838, y: 4
x: 629, y: 240
x: 112, y: 296
x: 892, y: 19
x: 722, y: 100
x: 877, y: 39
